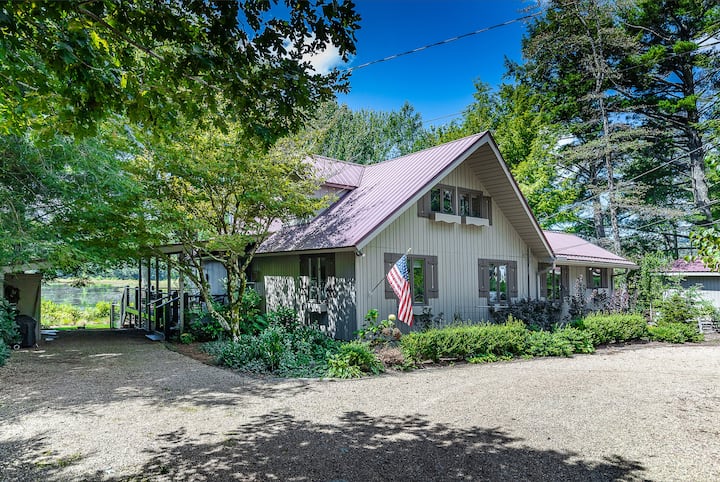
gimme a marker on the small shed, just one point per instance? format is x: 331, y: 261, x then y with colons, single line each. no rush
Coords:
x: 695, y: 273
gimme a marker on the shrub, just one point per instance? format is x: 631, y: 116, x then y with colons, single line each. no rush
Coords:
x: 581, y: 341
x: 675, y: 333
x: 545, y: 343
x: 535, y: 313
x: 354, y: 359
x: 489, y: 358
x: 276, y: 350
x: 285, y: 317
x: 102, y: 309
x: 684, y: 305
x: 615, y: 328
x: 9, y: 333
x: 379, y: 333
x: 252, y: 321
x: 186, y: 338
x: 466, y: 341
x: 205, y: 327
x: 54, y: 314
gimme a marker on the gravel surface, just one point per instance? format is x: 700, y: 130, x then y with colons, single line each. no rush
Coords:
x: 115, y: 406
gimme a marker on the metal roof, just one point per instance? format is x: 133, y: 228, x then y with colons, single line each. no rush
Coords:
x: 385, y: 190
x: 338, y: 173
x: 573, y: 250
x: 695, y: 267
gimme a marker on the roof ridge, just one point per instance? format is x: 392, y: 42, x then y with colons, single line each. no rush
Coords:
x: 340, y: 161
x: 478, y: 136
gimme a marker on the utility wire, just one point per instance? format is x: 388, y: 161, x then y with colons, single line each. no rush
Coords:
x: 442, y: 42
x: 578, y: 203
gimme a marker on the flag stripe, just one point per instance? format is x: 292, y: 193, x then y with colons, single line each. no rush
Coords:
x: 399, y: 280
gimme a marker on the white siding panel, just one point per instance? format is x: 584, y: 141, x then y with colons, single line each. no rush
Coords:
x: 710, y: 287
x: 458, y: 248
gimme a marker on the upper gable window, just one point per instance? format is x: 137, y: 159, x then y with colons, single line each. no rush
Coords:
x: 471, y: 203
x: 453, y: 200
x: 442, y: 199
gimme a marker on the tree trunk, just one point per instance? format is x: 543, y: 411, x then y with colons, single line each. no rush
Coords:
x: 698, y: 178
x: 598, y: 220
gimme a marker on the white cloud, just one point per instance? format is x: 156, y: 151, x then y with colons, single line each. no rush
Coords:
x: 323, y: 62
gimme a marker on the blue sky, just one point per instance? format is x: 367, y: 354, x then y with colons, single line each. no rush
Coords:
x: 439, y: 81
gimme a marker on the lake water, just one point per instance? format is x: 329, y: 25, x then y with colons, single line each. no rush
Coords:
x: 82, y: 297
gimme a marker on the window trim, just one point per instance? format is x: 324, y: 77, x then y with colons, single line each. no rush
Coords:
x: 323, y: 289
x: 424, y: 204
x: 430, y: 281
x: 484, y: 278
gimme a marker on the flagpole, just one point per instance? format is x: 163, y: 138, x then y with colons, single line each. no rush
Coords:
x: 383, y: 278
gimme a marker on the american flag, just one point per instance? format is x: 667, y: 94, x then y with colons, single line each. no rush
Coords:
x: 399, y: 280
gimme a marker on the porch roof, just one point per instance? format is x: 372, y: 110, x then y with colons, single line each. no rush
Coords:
x: 573, y: 250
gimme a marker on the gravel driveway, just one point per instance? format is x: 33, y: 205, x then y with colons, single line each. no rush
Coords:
x: 115, y: 406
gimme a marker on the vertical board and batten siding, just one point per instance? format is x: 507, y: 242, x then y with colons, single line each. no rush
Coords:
x: 282, y: 285
x: 710, y: 287
x: 458, y: 248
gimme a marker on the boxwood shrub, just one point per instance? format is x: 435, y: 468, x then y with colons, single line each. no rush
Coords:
x: 675, y: 333
x: 546, y: 343
x: 615, y: 327
x: 466, y: 341
x: 581, y: 341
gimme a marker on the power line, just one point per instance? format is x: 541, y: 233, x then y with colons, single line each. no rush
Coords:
x: 578, y: 203
x: 442, y: 42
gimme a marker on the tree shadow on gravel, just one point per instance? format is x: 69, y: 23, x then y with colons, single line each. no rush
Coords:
x: 362, y: 448
x: 32, y: 460
x: 89, y: 369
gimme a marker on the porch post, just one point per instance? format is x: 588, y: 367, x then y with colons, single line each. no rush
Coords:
x: 138, y: 294
x: 147, y: 289
x: 181, y: 296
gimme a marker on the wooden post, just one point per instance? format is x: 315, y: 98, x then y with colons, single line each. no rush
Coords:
x: 157, y: 276
x: 138, y: 294
x: 149, y: 293
x: 169, y: 273
x: 181, y: 296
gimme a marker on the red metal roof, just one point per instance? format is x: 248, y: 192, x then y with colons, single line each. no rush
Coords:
x: 382, y: 190
x: 338, y: 173
x: 574, y: 249
x: 378, y: 193
x: 682, y: 266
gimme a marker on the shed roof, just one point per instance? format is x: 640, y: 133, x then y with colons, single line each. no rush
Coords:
x: 385, y: 190
x: 695, y: 267
x: 573, y: 250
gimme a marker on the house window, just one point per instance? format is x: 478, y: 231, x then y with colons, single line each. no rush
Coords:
x: 442, y: 199
x: 418, y: 280
x: 318, y: 269
x: 497, y: 280
x: 498, y: 287
x: 597, y: 278
x: 423, y: 272
x: 470, y: 203
x: 554, y: 284
x: 457, y: 201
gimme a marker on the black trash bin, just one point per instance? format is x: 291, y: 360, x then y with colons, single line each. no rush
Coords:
x: 27, y: 325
